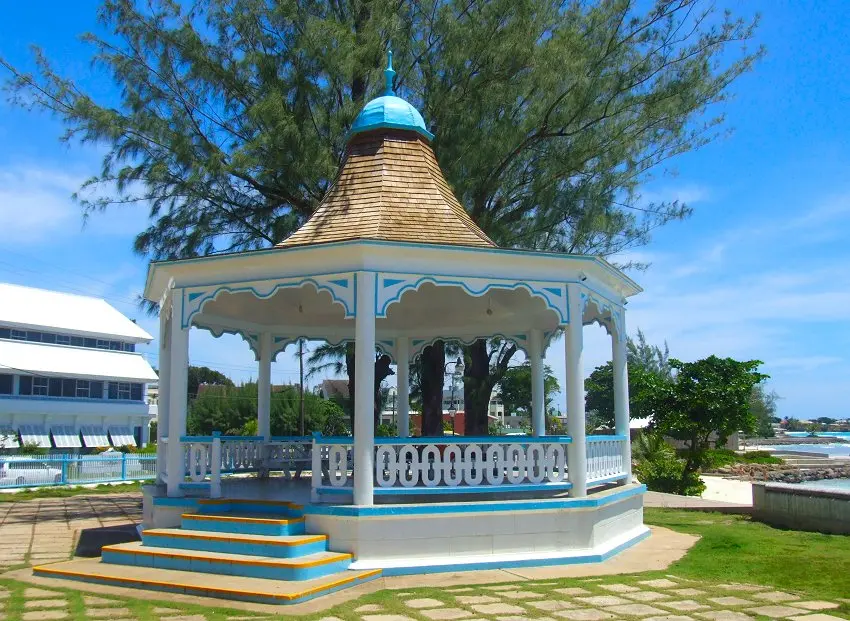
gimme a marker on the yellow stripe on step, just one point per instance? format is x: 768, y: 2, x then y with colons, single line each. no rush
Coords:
x: 294, y: 563
x: 302, y: 539
x: 191, y: 588
x: 236, y: 518
x: 227, y: 501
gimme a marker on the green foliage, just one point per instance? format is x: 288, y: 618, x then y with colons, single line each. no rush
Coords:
x: 763, y: 409
x: 497, y: 429
x: 32, y: 448
x: 386, y: 430
x: 794, y: 424
x: 232, y: 410
x: 515, y: 389
x: 153, y: 430
x: 707, y: 398
x: 336, y: 422
x: 205, y: 375
x: 554, y: 427
x: 661, y: 470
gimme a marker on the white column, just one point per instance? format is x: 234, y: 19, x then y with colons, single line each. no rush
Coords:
x: 577, y: 449
x: 621, y: 397
x: 364, y: 390
x: 402, y: 354
x: 177, y: 397
x: 264, y: 387
x: 538, y: 396
x: 163, y: 382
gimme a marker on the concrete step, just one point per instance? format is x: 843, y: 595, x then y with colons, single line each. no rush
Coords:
x: 259, y: 590
x: 287, y: 546
x: 305, y: 567
x: 281, y: 508
x: 243, y: 523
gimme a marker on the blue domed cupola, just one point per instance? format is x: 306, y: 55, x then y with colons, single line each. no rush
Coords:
x: 389, y: 111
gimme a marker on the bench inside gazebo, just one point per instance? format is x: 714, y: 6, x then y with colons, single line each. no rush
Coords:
x: 391, y: 261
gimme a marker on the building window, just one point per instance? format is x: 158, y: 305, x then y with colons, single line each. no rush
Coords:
x: 5, y: 333
x: 83, y: 388
x: 39, y: 386
x: 20, y: 335
x: 63, y: 339
x: 25, y: 385
x: 96, y: 390
x: 35, y: 337
x: 101, y: 344
x: 54, y: 385
x: 119, y: 390
x: 6, y: 382
x: 47, y: 337
x: 136, y: 392
x: 69, y: 388
x: 129, y: 347
x: 78, y: 341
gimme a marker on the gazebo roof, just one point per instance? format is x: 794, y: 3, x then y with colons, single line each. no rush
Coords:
x: 390, y: 186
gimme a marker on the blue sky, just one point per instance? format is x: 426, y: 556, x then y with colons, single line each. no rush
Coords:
x: 762, y: 269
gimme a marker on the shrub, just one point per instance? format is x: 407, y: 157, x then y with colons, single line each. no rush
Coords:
x: 386, y: 430
x: 32, y: 448
x: 667, y: 476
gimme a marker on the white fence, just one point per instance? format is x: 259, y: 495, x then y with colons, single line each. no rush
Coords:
x: 605, y: 458
x: 36, y: 471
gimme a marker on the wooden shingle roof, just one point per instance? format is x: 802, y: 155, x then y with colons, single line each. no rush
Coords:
x: 390, y: 188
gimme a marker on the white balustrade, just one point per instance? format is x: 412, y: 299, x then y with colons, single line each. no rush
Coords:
x: 605, y: 458
x: 290, y: 454
x: 241, y: 453
x: 332, y: 463
x: 459, y: 462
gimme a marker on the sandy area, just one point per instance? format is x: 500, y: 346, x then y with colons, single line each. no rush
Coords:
x: 728, y: 490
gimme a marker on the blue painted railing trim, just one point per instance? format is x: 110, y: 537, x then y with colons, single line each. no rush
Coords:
x: 472, y: 489
x: 334, y: 439
x: 304, y: 439
x: 444, y: 440
x: 603, y: 438
x: 474, y: 507
x: 222, y: 438
x: 604, y: 480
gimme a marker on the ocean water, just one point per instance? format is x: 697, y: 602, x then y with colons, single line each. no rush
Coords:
x: 832, y: 484
x: 820, y: 434
x: 831, y: 450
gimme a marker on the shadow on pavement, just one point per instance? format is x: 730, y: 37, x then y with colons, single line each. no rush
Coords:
x: 93, y: 539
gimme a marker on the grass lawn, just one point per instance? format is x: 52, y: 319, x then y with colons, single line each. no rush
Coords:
x: 734, y: 548
x: 66, y: 491
x: 733, y: 552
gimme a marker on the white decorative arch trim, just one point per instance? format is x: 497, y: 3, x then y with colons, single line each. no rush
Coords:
x: 391, y: 287
x: 608, y: 313
x: 341, y: 287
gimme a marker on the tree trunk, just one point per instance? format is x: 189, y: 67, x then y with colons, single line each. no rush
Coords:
x: 382, y: 372
x: 433, y: 364
x: 477, y: 387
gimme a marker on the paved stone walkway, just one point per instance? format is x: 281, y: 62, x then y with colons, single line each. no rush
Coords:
x: 594, y: 599
x: 46, y: 530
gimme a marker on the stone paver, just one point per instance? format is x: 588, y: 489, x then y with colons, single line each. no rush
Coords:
x: 619, y: 588
x: 33, y: 593
x: 602, y: 600
x: 647, y: 596
x: 369, y: 608
x: 187, y: 618
x: 775, y: 611
x: 476, y: 599
x: 45, y: 603
x: 817, y: 617
x: 584, y: 614
x: 446, y: 614
x: 741, y: 587
x: 520, y: 594
x: 670, y: 618
x: 636, y: 610
x: 724, y: 615
x: 688, y: 605
x: 731, y: 600
x: 689, y: 592
x: 661, y: 583
x: 90, y: 600
x: 501, y: 587
x: 113, y: 613
x: 44, y: 615
x: 498, y: 609
x: 814, y: 605
x: 572, y: 591
x: 775, y: 596
x: 460, y: 590
x: 330, y: 619
x: 387, y: 618
x: 424, y: 602
x: 552, y: 604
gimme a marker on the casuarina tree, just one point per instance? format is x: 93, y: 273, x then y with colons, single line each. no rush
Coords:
x: 228, y: 118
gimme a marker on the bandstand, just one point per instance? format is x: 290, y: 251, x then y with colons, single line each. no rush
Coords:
x: 391, y: 261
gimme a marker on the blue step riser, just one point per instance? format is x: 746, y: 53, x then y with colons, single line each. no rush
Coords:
x: 244, y: 507
x: 244, y: 528
x: 223, y: 567
x: 234, y: 547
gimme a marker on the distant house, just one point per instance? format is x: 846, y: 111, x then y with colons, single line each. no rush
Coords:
x: 335, y: 389
x: 70, y: 376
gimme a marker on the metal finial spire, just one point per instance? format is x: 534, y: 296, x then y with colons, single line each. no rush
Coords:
x: 389, y: 74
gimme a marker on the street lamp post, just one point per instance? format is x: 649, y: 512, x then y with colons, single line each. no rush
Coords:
x: 455, y: 375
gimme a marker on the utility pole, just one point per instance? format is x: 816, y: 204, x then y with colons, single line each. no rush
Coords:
x: 301, y: 382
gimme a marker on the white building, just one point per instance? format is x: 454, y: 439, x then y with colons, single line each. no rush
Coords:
x: 70, y: 377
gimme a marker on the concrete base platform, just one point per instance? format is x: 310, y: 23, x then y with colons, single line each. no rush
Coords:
x: 260, y: 590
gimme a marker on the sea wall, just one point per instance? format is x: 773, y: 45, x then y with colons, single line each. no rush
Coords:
x: 802, y: 508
